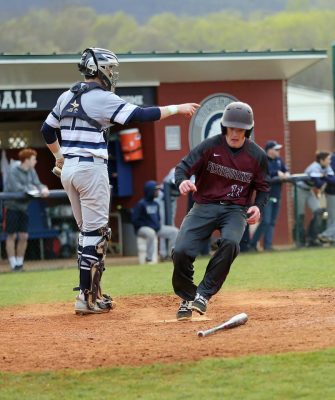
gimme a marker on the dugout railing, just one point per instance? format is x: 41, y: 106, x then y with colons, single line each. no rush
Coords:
x: 52, y: 230
x: 52, y: 222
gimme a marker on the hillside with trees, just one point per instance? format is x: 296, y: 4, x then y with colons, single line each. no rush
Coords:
x: 142, y: 10
x: 72, y: 28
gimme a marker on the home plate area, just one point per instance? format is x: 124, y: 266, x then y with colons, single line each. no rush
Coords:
x: 143, y: 330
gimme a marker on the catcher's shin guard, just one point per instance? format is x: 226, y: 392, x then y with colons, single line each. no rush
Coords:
x: 96, y: 257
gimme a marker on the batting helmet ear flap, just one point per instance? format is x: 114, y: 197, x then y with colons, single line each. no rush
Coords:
x: 249, y: 132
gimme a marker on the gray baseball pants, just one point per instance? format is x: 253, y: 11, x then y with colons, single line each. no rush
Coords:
x: 330, y: 209
x: 166, y: 232
x: 87, y: 186
x: 196, y: 229
x: 307, y: 197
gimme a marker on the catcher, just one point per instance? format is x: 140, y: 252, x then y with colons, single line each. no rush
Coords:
x: 82, y: 114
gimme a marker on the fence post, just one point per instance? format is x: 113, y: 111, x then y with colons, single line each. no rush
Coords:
x: 296, y: 216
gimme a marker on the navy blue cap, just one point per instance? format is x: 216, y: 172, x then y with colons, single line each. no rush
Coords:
x: 272, y: 144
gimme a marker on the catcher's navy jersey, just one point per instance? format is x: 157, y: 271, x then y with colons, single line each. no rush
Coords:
x: 79, y: 138
x: 226, y: 175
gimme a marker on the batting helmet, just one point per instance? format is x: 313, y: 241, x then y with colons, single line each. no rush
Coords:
x: 101, y: 63
x: 238, y: 115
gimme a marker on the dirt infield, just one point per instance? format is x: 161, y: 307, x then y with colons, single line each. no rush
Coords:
x: 142, y: 330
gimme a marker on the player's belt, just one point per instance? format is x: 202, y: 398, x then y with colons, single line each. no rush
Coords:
x: 82, y: 158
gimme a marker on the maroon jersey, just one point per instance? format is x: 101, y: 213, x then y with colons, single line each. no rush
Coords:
x: 226, y: 174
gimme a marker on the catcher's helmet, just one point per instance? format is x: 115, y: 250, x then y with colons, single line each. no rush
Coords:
x: 238, y: 115
x: 101, y: 63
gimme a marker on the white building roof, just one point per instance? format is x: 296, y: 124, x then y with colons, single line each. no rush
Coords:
x: 305, y: 104
x: 35, y: 71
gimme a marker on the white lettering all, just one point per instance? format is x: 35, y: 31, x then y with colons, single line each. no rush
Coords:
x: 18, y: 102
x: 7, y: 101
x: 18, y: 99
x: 29, y: 98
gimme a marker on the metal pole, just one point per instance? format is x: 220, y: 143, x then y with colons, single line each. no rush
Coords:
x: 296, y: 216
x: 333, y: 64
x: 333, y: 69
x: 167, y: 203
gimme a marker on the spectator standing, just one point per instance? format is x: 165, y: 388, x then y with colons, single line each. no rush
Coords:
x: 320, y: 173
x: 277, y: 168
x: 328, y: 235
x: 330, y: 196
x: 22, y: 177
x: 147, y: 222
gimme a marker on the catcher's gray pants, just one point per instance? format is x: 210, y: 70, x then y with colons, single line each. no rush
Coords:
x: 87, y: 185
x: 166, y: 232
x: 195, y: 230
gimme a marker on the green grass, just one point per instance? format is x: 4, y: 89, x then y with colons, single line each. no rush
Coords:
x: 279, y: 377
x: 280, y: 270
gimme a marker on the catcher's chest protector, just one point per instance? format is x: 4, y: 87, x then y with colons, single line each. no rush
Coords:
x: 74, y: 109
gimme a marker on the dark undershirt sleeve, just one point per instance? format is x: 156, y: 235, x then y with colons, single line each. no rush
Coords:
x: 262, y: 184
x: 144, y: 114
x: 49, y: 133
x: 261, y: 200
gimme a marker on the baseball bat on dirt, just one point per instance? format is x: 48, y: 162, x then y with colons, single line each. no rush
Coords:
x: 236, y: 320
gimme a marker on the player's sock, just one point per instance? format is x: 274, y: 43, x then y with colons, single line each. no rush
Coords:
x: 12, y: 262
x: 19, y: 260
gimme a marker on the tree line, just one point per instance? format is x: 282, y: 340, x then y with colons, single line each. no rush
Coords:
x: 72, y: 29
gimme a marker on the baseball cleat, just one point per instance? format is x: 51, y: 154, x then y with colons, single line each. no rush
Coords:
x: 81, y: 307
x: 200, y: 304
x: 325, y: 239
x: 106, y: 302
x: 184, y: 312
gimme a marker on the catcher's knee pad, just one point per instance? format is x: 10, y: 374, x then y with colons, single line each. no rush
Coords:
x: 101, y: 246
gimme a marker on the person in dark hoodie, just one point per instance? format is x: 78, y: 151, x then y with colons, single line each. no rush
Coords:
x: 147, y: 223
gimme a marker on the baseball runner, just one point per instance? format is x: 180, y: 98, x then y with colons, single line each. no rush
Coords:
x: 228, y: 168
x: 82, y: 114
